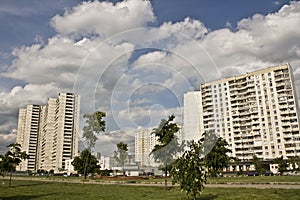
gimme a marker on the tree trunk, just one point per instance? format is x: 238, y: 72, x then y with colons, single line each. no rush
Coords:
x: 10, y: 176
x: 85, y: 166
x: 166, y: 173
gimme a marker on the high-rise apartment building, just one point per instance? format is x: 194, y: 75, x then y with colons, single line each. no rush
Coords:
x: 144, y: 144
x: 27, y: 135
x: 255, y: 113
x: 192, y: 119
x: 57, y: 129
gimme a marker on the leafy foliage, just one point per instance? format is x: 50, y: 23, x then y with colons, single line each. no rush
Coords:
x: 86, y: 163
x: 95, y: 125
x: 168, y: 146
x: 121, y: 154
x: 217, y: 159
x: 189, y: 171
x: 257, y: 164
x: 12, y: 159
x: 209, y: 139
x: 294, y: 162
x: 282, y: 164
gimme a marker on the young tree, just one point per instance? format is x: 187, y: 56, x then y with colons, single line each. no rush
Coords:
x: 209, y: 139
x: 189, y: 170
x: 86, y: 163
x: 121, y: 154
x: 282, y: 164
x: 257, y: 164
x: 168, y: 146
x: 95, y: 125
x: 217, y: 159
x: 12, y: 159
x: 294, y: 162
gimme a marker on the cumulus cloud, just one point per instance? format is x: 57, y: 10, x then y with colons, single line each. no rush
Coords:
x: 191, y: 27
x: 259, y: 41
x: 5, y: 140
x: 104, y: 18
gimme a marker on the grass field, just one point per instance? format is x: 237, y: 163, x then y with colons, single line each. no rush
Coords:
x: 256, y: 179
x: 241, y: 179
x: 63, y: 191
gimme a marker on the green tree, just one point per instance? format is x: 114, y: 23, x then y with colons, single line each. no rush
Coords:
x: 94, y: 126
x: 294, y: 162
x: 217, y: 159
x: 282, y: 164
x: 12, y: 159
x: 121, y: 154
x: 209, y: 139
x: 257, y: 164
x: 86, y: 163
x: 189, y: 170
x: 167, y: 146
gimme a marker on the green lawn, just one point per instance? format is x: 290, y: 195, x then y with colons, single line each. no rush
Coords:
x: 23, y: 190
x: 256, y: 179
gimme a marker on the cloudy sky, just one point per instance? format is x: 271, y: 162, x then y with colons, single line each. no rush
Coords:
x: 135, y: 59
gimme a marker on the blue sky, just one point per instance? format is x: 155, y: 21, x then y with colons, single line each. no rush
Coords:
x: 135, y: 59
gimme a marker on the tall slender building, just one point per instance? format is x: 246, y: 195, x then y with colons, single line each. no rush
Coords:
x: 255, y: 113
x: 144, y: 144
x: 54, y: 129
x: 192, y: 120
x: 27, y: 135
x: 66, y: 129
x: 46, y: 135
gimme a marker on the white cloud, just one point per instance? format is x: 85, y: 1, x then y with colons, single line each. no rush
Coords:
x: 191, y: 27
x: 104, y: 18
x: 5, y: 140
x: 259, y: 41
x: 29, y: 94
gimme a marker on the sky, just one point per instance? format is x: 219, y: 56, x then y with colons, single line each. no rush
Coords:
x: 135, y: 59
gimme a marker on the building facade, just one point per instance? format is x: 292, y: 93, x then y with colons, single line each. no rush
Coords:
x: 56, y: 129
x: 255, y: 113
x: 192, y: 120
x: 27, y: 135
x: 144, y: 144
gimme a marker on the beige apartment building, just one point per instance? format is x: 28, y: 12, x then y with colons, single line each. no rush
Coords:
x: 56, y: 130
x: 256, y: 113
x: 27, y: 135
x: 144, y: 144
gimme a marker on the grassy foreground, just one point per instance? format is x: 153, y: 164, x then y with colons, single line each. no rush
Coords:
x: 63, y: 191
x: 256, y: 179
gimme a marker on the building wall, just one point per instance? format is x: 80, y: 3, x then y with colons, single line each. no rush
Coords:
x: 27, y: 135
x: 256, y: 113
x: 66, y: 126
x: 144, y: 144
x: 192, y: 120
x: 46, y: 135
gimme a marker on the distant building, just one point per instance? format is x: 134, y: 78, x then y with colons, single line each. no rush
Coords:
x: 49, y: 133
x: 144, y: 144
x: 256, y: 113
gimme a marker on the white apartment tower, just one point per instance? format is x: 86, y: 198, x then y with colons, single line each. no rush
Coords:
x: 27, y: 135
x: 192, y: 120
x: 66, y: 129
x: 144, y: 144
x: 255, y: 113
x: 58, y: 129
